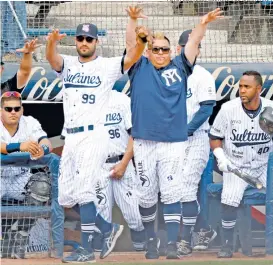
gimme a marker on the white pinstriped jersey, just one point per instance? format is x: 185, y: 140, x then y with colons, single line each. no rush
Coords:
x: 86, y: 88
x: 201, y: 87
x: 118, y: 121
x: 29, y: 129
x: 245, y: 144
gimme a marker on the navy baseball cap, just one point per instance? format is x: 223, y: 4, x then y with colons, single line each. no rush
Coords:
x: 87, y: 29
x: 183, y: 39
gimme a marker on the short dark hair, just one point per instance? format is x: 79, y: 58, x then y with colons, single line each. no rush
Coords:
x: 4, y: 99
x: 257, y: 76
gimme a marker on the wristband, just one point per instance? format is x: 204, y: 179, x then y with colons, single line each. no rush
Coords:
x: 13, y: 147
x: 46, y: 149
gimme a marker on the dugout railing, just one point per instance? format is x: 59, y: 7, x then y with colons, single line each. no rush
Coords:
x: 12, y: 210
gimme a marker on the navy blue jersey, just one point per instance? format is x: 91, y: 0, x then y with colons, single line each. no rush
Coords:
x: 158, y: 100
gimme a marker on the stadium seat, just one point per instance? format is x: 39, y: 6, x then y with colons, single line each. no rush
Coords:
x: 252, y: 197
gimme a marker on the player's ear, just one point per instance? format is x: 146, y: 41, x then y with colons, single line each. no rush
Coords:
x: 97, y: 41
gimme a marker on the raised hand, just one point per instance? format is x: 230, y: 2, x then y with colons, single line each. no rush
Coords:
x: 212, y: 16
x: 55, y: 35
x: 135, y: 12
x: 29, y: 47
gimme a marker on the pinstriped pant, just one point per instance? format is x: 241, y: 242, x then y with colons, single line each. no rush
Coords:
x: 234, y: 187
x: 196, y: 159
x: 159, y: 168
x: 123, y: 192
x: 80, y: 167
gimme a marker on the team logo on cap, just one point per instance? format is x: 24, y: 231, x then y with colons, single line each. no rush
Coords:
x: 85, y: 28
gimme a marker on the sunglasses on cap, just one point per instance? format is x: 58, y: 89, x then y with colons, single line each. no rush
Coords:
x: 156, y: 50
x: 9, y: 94
x: 82, y: 38
x: 10, y: 109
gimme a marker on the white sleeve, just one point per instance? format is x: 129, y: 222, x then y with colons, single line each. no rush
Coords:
x: 127, y: 112
x: 66, y: 61
x: 36, y: 131
x: 114, y: 67
x: 220, y: 124
x: 206, y: 86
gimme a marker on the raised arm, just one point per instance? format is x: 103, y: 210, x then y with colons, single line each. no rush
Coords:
x: 191, y: 48
x: 134, y: 13
x: 26, y: 63
x: 53, y: 57
x: 136, y: 37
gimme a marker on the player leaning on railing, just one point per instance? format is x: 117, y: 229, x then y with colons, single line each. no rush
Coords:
x: 21, y: 133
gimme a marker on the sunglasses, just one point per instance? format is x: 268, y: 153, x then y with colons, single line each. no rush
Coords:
x: 9, y: 94
x: 82, y: 38
x: 10, y: 109
x: 164, y: 50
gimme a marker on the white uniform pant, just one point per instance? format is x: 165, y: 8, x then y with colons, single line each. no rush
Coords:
x: 234, y: 187
x: 123, y: 192
x: 159, y: 168
x: 83, y: 156
x: 196, y: 159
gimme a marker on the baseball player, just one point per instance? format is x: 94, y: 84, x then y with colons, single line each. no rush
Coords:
x: 19, y: 80
x: 238, y: 141
x: 87, y: 82
x: 121, y: 188
x: 201, y: 98
x: 25, y: 134
x: 159, y: 119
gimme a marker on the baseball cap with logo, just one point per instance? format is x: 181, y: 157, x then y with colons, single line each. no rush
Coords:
x: 87, y: 29
x: 184, y: 37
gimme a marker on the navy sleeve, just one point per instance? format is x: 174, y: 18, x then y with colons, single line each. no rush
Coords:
x: 10, y: 85
x: 135, y: 67
x: 183, y: 63
x: 200, y: 117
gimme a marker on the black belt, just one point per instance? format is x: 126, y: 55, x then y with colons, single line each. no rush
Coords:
x: 79, y: 129
x: 114, y: 159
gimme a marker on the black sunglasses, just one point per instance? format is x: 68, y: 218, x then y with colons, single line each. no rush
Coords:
x: 164, y: 50
x: 10, y: 109
x: 81, y: 38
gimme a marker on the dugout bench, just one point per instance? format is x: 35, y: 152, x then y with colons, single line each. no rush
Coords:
x: 211, y: 200
x: 54, y: 211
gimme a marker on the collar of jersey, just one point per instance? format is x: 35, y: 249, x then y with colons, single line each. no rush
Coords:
x: 89, y: 61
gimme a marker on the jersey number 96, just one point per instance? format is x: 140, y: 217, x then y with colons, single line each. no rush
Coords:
x: 88, y: 98
x: 114, y: 133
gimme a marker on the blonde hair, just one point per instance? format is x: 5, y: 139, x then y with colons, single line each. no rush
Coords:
x: 160, y: 36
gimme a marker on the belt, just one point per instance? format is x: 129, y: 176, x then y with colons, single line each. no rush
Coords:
x: 114, y: 159
x: 79, y: 129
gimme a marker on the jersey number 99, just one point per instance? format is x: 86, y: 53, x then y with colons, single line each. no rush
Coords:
x: 88, y: 98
